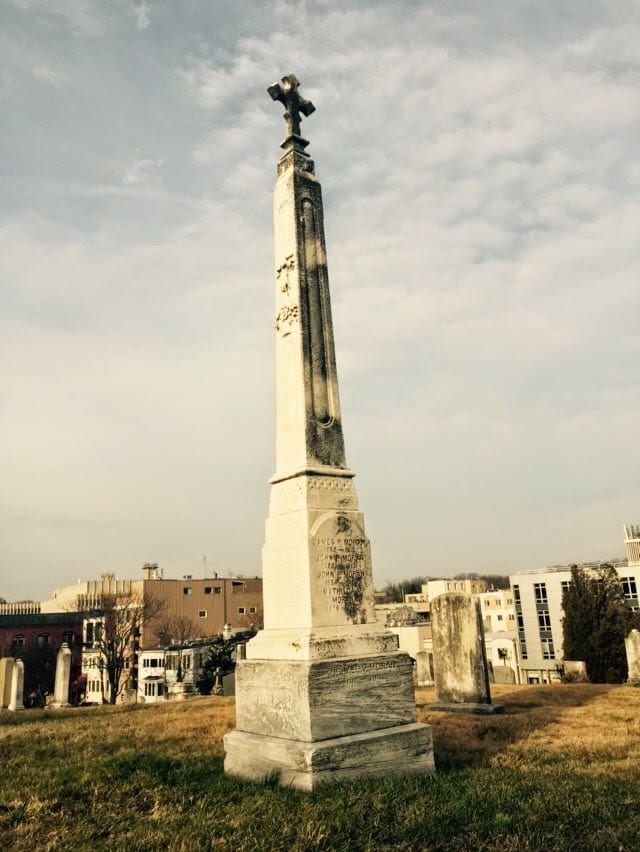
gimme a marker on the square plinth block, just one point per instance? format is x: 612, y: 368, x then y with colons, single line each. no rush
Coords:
x: 323, y: 699
x: 391, y: 752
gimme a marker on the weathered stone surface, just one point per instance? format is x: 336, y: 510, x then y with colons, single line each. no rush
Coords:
x: 6, y: 675
x: 392, y: 752
x: 632, y: 647
x: 322, y: 699
x: 17, y: 686
x: 423, y: 674
x: 63, y: 676
x: 459, y: 658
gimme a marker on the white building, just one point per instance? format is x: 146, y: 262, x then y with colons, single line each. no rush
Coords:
x: 498, y: 612
x: 537, y: 597
x: 159, y: 668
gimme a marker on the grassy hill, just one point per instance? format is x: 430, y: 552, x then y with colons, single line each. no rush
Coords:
x: 560, y: 770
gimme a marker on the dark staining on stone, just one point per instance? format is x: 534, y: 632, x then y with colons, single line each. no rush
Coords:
x: 351, y: 579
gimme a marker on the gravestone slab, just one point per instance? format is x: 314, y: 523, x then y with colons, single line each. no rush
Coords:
x: 459, y: 657
x: 632, y: 647
x: 423, y: 675
x: 6, y: 675
x: 63, y: 677
x: 17, y: 687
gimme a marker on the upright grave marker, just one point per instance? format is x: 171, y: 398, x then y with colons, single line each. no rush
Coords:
x: 459, y: 657
x: 63, y: 676
x: 632, y: 647
x: 17, y: 686
x: 323, y: 694
x: 7, y: 665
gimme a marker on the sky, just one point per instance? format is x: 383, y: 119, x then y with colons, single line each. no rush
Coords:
x: 481, y: 183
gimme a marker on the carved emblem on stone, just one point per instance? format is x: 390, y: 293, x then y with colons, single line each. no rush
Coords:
x: 286, y: 267
x: 287, y: 314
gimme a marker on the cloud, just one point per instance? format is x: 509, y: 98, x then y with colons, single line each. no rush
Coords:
x: 481, y: 212
x: 142, y: 171
x: 49, y: 75
x: 80, y: 15
x: 142, y: 12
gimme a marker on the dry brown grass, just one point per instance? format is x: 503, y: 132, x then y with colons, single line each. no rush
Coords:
x: 559, y: 770
x: 594, y: 727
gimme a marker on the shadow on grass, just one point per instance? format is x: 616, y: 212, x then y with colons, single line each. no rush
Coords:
x: 462, y: 740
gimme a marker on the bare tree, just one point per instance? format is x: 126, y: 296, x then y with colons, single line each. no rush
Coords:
x: 178, y: 628
x: 118, y: 624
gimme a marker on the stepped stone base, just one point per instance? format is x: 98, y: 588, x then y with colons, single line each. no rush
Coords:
x: 478, y: 709
x: 319, y: 721
x: 392, y: 752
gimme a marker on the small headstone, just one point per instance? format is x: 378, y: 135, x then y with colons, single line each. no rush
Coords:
x: 6, y: 674
x: 422, y: 671
x: 17, y: 686
x: 459, y: 657
x: 217, y: 686
x: 63, y: 678
x: 632, y: 646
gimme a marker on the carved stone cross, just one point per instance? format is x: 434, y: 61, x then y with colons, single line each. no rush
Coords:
x: 288, y: 94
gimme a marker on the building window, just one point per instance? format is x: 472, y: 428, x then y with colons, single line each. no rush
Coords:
x: 564, y: 585
x: 217, y: 590
x: 544, y: 619
x: 207, y: 590
x: 540, y: 592
x: 187, y: 590
x: 252, y: 609
x: 202, y: 613
x: 499, y: 618
x: 68, y: 638
x: 241, y: 610
x: 17, y: 643
x: 548, y: 651
x: 516, y: 593
x: 43, y: 640
x: 186, y: 661
x: 629, y: 587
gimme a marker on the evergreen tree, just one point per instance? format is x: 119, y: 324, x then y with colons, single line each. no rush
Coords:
x: 220, y: 657
x: 596, y: 621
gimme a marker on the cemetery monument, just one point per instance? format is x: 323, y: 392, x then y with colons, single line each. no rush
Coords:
x: 324, y: 694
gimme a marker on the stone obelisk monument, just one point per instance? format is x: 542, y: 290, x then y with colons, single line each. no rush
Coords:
x: 324, y: 694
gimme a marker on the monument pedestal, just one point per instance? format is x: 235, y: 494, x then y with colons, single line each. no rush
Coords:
x: 320, y: 721
x: 390, y: 752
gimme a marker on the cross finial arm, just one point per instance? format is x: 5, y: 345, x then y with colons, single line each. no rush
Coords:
x: 287, y: 93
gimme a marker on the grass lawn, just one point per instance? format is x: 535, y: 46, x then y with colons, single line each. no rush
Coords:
x: 560, y: 770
